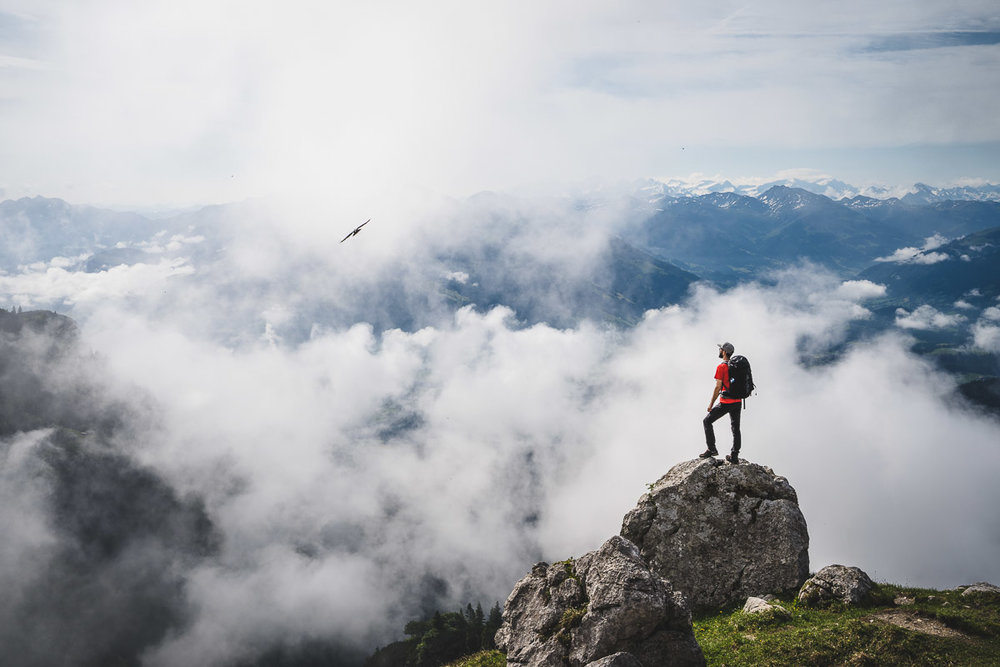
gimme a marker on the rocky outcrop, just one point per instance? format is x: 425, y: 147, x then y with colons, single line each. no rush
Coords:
x: 983, y: 590
x: 722, y: 533
x: 605, y: 609
x: 837, y: 584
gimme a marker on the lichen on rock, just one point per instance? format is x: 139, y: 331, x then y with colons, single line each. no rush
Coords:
x: 607, y: 603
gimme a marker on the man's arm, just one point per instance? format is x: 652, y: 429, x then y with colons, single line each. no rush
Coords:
x: 715, y: 394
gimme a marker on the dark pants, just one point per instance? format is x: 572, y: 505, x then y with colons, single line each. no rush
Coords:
x: 733, y: 410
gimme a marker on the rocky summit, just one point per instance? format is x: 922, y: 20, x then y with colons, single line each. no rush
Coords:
x: 721, y: 533
x: 604, y: 609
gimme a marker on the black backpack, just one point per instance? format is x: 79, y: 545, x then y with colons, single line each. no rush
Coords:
x: 740, y: 378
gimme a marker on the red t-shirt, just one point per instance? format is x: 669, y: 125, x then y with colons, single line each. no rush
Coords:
x: 722, y: 373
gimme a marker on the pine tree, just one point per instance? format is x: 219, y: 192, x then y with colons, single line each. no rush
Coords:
x: 493, y: 624
x: 474, y: 630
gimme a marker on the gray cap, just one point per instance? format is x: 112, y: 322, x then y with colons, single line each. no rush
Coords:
x: 727, y: 348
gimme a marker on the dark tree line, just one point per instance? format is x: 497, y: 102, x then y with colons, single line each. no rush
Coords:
x: 441, y: 639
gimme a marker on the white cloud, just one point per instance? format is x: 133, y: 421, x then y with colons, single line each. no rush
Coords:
x: 900, y: 256
x: 922, y: 255
x: 930, y: 258
x: 986, y: 337
x: 859, y: 290
x: 986, y: 332
x: 926, y: 317
x: 160, y: 244
x: 46, y: 283
x: 29, y: 539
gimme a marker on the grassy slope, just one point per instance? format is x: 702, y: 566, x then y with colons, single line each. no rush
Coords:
x: 481, y: 659
x: 956, y: 630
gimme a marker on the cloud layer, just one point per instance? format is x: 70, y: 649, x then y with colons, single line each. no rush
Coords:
x: 924, y: 255
x: 349, y: 474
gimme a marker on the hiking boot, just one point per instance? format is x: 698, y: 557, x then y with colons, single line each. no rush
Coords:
x: 733, y: 458
x: 708, y: 453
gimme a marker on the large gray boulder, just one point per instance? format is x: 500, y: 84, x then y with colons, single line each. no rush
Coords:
x: 722, y: 533
x: 849, y: 586
x: 606, y: 604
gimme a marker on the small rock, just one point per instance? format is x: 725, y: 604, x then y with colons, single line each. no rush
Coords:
x: 763, y: 607
x: 903, y: 601
x: 837, y: 583
x: 756, y: 606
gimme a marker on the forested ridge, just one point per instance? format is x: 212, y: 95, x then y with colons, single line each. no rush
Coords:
x: 442, y: 638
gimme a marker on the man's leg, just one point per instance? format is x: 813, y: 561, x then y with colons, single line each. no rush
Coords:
x: 710, y: 419
x: 735, y: 409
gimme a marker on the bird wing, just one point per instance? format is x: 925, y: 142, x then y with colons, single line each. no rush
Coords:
x: 356, y: 230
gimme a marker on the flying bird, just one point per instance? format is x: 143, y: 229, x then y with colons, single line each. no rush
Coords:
x: 356, y: 230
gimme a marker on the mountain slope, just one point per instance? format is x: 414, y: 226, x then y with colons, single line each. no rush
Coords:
x: 959, y: 267
x: 39, y: 228
x: 911, y: 224
x: 729, y: 237
x: 816, y: 228
x: 623, y: 283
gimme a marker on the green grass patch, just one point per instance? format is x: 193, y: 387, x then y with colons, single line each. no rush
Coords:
x: 944, y: 629
x: 481, y: 659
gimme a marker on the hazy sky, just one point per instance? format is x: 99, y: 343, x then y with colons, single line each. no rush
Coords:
x: 180, y: 101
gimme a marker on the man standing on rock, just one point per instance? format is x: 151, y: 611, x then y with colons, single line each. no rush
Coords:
x: 730, y: 406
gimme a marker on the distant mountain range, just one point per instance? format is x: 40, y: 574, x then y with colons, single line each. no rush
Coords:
x: 664, y: 243
x: 729, y: 237
x: 39, y: 228
x: 655, y: 190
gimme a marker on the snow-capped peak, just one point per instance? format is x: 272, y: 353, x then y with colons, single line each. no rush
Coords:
x: 817, y: 183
